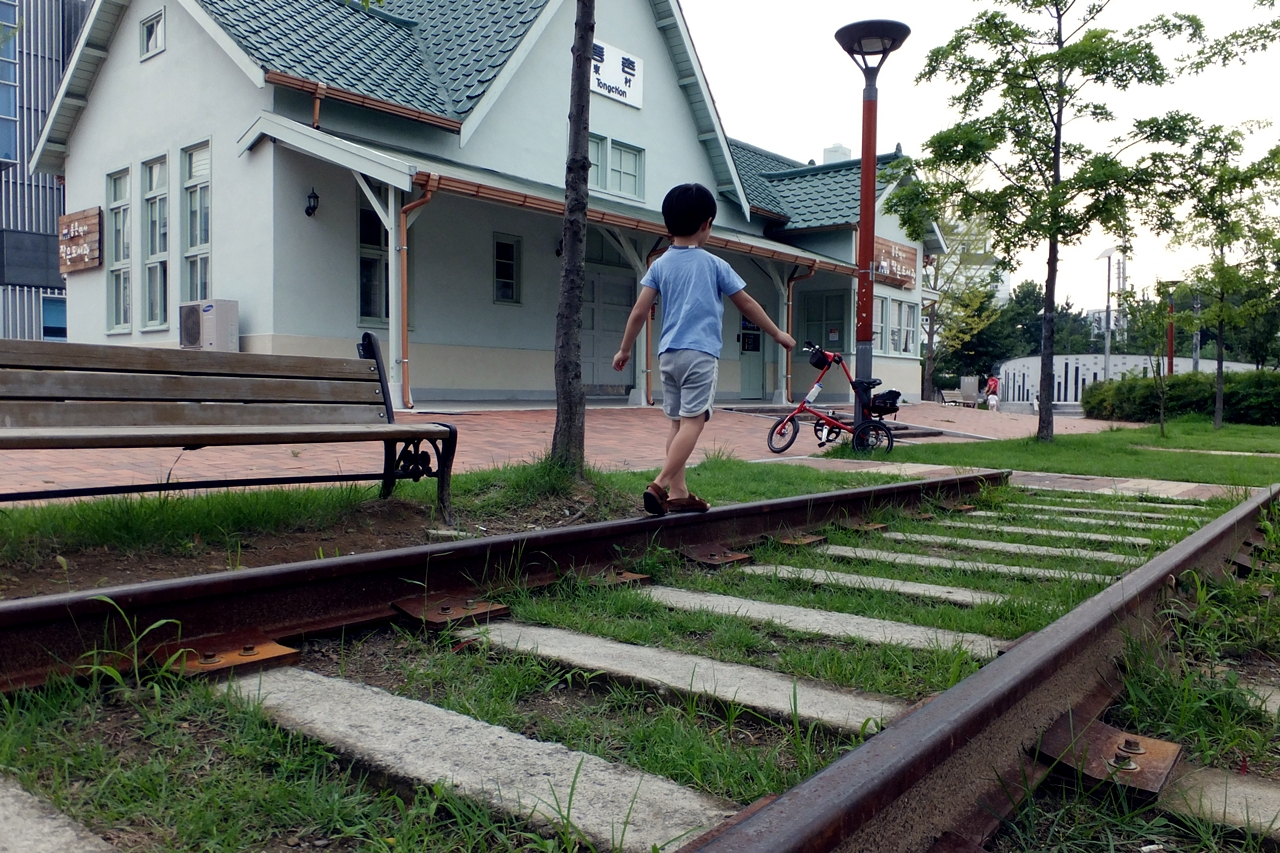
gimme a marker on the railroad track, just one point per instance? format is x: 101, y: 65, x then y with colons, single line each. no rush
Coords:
x: 934, y: 773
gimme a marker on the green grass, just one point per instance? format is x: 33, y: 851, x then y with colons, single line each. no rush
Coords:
x: 724, y: 750
x: 628, y: 616
x: 183, y: 524
x: 722, y: 479
x: 201, y: 771
x: 1117, y: 453
x: 1072, y: 815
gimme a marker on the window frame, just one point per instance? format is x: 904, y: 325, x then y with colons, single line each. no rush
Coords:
x: 193, y: 252
x: 155, y: 197
x: 517, y: 264
x: 368, y: 251
x: 879, y: 340
x: 607, y: 151
x: 156, y: 18
x: 120, y: 261
x: 9, y: 79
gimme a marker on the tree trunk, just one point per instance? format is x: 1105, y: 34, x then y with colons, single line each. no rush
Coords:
x: 568, y: 441
x: 1045, y: 430
x: 927, y: 391
x: 1217, y: 391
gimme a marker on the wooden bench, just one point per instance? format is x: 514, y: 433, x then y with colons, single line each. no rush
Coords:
x: 56, y: 396
x: 956, y: 398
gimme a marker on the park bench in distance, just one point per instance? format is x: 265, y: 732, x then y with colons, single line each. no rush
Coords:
x: 56, y: 396
x: 957, y: 398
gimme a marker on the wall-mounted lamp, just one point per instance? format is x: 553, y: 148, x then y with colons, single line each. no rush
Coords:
x: 313, y: 203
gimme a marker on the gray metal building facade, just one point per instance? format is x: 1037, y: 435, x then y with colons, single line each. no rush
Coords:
x: 32, y: 300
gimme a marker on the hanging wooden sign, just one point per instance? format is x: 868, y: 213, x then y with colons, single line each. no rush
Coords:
x: 894, y: 263
x: 80, y: 240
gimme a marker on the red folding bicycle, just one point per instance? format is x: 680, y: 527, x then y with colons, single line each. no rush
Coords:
x: 869, y: 435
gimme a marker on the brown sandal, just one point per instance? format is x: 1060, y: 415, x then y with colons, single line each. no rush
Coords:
x: 693, y: 503
x: 655, y: 500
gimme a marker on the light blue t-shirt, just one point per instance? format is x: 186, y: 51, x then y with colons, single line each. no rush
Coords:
x: 692, y: 282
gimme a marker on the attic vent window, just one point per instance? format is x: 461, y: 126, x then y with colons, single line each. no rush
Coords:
x: 153, y: 35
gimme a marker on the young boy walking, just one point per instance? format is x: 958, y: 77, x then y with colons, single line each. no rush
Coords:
x: 691, y: 282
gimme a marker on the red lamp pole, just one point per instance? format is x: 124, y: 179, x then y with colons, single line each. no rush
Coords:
x: 868, y: 43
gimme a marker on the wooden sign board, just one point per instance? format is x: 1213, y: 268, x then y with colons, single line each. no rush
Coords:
x: 80, y: 240
x: 894, y: 263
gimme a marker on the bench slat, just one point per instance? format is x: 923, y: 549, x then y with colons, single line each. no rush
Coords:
x: 82, y: 385
x: 39, y: 354
x: 52, y: 414
x: 213, y: 436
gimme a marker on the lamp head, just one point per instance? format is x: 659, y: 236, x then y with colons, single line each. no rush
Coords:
x: 869, y: 40
x: 313, y: 203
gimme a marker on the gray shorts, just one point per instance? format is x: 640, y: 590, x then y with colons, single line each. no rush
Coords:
x: 688, y: 382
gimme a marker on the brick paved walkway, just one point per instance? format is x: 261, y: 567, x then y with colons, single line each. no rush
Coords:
x: 617, y: 438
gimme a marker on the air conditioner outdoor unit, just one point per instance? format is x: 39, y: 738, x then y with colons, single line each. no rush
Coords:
x: 212, y: 325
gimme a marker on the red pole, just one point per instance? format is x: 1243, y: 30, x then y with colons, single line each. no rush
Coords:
x: 866, y: 230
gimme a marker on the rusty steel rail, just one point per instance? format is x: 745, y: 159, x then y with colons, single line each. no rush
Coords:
x: 923, y: 776
x: 54, y: 632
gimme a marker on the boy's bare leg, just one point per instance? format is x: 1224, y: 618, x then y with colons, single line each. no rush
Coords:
x: 681, y: 441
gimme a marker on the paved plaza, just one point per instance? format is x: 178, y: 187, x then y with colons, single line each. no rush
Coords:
x: 617, y: 439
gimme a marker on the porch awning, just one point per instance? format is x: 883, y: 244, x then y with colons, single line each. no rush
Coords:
x: 405, y: 169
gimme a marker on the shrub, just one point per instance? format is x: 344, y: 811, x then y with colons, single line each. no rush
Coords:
x: 1252, y: 397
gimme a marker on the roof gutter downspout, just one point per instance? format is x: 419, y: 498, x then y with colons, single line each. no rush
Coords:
x: 657, y: 250
x: 791, y: 320
x: 429, y: 188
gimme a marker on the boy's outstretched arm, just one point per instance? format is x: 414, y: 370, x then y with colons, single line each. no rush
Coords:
x: 634, y: 324
x: 753, y: 312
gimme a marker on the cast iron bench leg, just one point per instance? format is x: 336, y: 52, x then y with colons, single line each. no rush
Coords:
x: 444, y: 472
x: 388, y: 468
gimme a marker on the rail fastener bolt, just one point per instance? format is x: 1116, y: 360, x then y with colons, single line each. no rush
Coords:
x: 1122, y: 762
x: 248, y: 651
x: 210, y: 659
x: 1131, y: 746
x: 446, y: 609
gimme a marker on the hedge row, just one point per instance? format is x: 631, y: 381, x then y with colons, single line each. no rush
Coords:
x: 1251, y: 397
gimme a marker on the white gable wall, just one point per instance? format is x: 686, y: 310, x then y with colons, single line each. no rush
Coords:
x: 190, y: 93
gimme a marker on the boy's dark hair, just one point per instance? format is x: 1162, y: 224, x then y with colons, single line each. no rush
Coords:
x: 686, y: 207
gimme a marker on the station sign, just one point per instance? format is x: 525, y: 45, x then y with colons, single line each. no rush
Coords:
x: 80, y: 240
x: 617, y: 74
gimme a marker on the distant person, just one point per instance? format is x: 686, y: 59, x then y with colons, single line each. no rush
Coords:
x: 691, y: 282
x: 993, y: 393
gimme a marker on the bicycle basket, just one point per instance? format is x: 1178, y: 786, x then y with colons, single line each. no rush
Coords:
x: 886, y: 402
x: 819, y: 359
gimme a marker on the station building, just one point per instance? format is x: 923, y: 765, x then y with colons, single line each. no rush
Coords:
x: 333, y: 169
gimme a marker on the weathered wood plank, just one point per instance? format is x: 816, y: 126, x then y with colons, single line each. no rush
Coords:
x: 213, y: 436
x: 42, y: 354
x: 84, y: 385
x: 109, y: 413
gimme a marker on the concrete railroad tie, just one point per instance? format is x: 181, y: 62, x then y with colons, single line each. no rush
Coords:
x: 1069, y: 519
x: 1010, y: 547
x: 1074, y: 510
x: 773, y: 694
x: 951, y: 594
x: 30, y: 825
x: 414, y: 741
x: 1197, y: 508
x: 826, y: 622
x: 904, y: 559
x: 1035, y: 531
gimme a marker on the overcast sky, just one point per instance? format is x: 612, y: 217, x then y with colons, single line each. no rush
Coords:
x: 781, y: 82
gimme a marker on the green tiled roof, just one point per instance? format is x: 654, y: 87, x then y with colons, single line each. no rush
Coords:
x: 752, y: 162
x: 438, y: 56
x: 809, y: 196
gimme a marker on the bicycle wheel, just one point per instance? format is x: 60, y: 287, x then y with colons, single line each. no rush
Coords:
x: 872, y: 435
x: 783, y: 433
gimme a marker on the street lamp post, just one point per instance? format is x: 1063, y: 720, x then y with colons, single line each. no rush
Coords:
x: 1106, y: 328
x: 869, y: 43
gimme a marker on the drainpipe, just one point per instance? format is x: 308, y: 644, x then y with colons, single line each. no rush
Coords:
x: 648, y: 327
x: 791, y: 281
x: 321, y: 91
x: 433, y: 182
